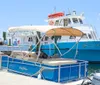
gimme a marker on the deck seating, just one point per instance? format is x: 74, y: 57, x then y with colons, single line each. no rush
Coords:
x: 32, y: 56
x: 58, y: 61
x: 25, y: 55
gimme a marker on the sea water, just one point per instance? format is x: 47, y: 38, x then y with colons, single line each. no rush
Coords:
x: 93, y: 68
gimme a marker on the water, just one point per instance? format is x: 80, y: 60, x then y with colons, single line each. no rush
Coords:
x: 92, y: 68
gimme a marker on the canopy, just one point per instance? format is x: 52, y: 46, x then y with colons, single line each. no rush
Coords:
x: 49, y: 30
x: 64, y: 32
x: 41, y: 28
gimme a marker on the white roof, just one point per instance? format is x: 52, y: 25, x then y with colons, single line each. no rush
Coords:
x: 41, y: 28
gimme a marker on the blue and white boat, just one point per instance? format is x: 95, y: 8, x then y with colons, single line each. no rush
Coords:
x: 52, y: 68
x: 88, y: 47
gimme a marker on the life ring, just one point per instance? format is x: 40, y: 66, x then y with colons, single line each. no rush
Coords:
x: 51, y: 22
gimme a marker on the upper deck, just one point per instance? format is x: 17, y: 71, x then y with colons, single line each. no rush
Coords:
x: 60, y: 19
x: 75, y: 21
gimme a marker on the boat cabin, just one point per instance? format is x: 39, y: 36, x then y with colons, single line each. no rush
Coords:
x: 75, y: 21
x: 57, y: 20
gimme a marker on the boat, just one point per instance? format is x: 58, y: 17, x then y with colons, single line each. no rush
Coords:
x: 37, y: 64
x: 88, y: 46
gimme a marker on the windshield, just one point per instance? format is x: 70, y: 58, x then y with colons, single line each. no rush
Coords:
x: 57, y: 22
x: 75, y: 20
x: 80, y: 20
x: 67, y: 21
x: 85, y: 36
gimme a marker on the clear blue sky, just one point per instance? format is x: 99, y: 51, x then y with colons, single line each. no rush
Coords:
x: 27, y: 12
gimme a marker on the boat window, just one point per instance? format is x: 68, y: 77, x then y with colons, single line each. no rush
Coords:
x: 30, y: 39
x: 72, y: 37
x: 84, y: 36
x: 61, y: 22
x: 80, y: 20
x: 46, y: 38
x: 90, y: 37
x: 57, y: 22
x: 75, y: 20
x: 56, y: 37
x: 93, y: 34
x: 67, y: 21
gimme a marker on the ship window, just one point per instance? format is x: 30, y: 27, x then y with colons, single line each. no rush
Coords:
x: 56, y: 37
x: 30, y: 39
x: 72, y: 37
x: 46, y: 38
x: 57, y: 22
x: 94, y: 34
x: 80, y: 20
x: 61, y: 22
x: 90, y: 36
x: 84, y: 36
x: 67, y: 21
x: 75, y: 20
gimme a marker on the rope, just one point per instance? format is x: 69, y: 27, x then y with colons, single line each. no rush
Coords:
x: 72, y: 48
x: 88, y: 83
x: 58, y: 49
x: 38, y: 72
x: 35, y: 45
x: 39, y: 52
x: 76, y: 51
x: 69, y: 49
x: 49, y: 48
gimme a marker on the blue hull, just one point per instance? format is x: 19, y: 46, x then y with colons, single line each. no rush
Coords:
x: 89, y: 51
x: 62, y: 73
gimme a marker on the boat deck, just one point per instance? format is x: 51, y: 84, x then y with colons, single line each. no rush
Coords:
x: 7, y: 78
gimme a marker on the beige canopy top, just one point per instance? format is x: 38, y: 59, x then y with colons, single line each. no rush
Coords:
x: 64, y: 32
x: 40, y: 28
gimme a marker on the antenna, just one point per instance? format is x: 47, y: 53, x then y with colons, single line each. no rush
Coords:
x: 69, y: 11
x: 55, y: 9
x: 82, y: 14
x: 74, y: 12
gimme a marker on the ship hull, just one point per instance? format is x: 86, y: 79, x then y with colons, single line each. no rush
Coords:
x: 89, y: 51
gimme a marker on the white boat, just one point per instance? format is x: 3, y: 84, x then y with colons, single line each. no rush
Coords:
x: 88, y: 46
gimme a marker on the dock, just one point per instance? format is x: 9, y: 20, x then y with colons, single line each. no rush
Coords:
x: 12, y: 48
x: 7, y: 78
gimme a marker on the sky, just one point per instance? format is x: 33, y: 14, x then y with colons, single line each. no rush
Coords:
x: 35, y: 12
